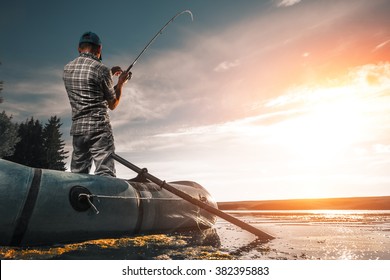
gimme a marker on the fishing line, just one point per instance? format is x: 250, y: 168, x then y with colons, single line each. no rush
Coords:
x: 158, y: 34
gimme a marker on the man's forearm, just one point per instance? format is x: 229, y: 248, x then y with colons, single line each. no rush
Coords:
x: 118, y: 93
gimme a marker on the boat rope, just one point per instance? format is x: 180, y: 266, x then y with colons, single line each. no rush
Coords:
x: 89, y: 198
x: 91, y: 203
x: 125, y: 197
x: 198, y: 219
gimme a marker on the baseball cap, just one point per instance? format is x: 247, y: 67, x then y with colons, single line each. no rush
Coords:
x: 90, y: 37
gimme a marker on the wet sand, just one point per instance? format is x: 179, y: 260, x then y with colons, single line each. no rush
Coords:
x: 303, y: 235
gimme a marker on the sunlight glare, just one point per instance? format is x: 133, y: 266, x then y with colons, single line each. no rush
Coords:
x: 334, y: 119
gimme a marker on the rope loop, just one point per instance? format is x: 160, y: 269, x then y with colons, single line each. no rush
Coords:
x: 89, y: 196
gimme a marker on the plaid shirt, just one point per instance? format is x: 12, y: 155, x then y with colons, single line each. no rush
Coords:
x: 89, y: 85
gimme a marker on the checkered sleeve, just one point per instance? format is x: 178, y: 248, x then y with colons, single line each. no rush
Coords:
x: 107, y: 84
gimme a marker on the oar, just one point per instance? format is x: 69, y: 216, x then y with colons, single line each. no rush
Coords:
x: 259, y: 233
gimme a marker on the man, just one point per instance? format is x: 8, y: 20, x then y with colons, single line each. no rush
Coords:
x: 91, y: 92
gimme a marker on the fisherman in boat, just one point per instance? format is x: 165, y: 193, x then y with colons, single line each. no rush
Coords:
x: 91, y: 91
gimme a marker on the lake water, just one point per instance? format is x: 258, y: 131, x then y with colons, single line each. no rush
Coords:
x: 305, y: 235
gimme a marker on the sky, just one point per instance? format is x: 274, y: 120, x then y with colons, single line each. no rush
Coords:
x: 254, y: 100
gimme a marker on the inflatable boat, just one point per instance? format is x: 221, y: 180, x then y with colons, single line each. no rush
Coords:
x: 47, y: 207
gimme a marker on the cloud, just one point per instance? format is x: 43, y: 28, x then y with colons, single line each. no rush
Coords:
x: 37, y: 97
x: 227, y: 65
x: 381, y: 149
x: 272, y: 142
x: 381, y: 45
x: 288, y: 3
x: 366, y: 81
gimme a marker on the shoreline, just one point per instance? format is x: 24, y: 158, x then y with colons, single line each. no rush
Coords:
x: 346, y: 203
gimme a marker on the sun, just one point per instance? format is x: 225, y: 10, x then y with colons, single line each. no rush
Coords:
x: 331, y: 122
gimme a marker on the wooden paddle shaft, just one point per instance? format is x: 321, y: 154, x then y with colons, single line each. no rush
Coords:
x: 259, y: 233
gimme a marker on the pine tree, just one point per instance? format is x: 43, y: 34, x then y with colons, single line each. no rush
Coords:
x: 29, y: 151
x: 1, y: 88
x: 40, y: 147
x: 54, y: 145
x: 8, y: 135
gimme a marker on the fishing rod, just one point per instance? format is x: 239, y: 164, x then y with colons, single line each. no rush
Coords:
x: 158, y: 34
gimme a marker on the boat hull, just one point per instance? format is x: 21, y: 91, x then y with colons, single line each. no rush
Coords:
x: 45, y: 207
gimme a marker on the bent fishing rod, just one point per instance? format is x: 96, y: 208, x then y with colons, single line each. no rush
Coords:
x: 158, y: 34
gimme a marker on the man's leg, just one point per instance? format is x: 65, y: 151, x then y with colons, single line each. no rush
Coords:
x: 102, y: 145
x: 81, y: 157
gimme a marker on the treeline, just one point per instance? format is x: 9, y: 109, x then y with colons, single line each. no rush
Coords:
x: 32, y: 143
x: 1, y: 88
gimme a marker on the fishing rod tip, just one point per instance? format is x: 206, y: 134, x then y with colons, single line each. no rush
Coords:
x: 189, y: 11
